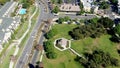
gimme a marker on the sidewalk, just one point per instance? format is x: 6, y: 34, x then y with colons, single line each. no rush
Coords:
x: 76, y: 53
x: 20, y: 40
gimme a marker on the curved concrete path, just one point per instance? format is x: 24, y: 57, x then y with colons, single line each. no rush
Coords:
x: 20, y: 40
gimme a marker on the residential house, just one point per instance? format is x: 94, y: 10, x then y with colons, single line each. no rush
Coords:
x: 7, y: 24
x: 87, y: 5
x: 70, y: 6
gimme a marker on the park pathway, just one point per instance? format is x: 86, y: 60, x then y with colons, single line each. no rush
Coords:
x: 20, y: 40
x: 76, y: 53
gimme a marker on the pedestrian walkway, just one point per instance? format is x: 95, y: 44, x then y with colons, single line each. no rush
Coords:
x: 41, y: 57
x: 20, y: 40
x: 76, y: 53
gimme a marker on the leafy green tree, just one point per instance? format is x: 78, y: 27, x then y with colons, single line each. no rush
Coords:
x: 117, y: 29
x: 66, y: 18
x: 91, y: 30
x: 27, y: 3
x: 53, y: 1
x: 60, y: 1
x: 98, y: 59
x: 3, y: 1
x: 106, y: 22
x: 51, y: 55
x: 61, y: 20
x: 71, y: 21
x: 55, y: 10
x: 104, y: 5
x: 115, y: 2
x: 51, y: 34
x: 93, y: 20
x: 81, y: 9
x: 48, y: 46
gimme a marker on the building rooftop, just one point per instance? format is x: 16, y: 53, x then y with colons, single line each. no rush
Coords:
x: 7, y: 22
x: 63, y: 42
x: 87, y: 3
x: 69, y: 7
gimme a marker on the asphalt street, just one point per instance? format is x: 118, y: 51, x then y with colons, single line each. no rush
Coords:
x: 78, y: 17
x: 28, y: 47
x: 36, y: 52
x: 47, y: 16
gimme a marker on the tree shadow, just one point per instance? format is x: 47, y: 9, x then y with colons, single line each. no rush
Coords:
x: 115, y: 39
x: 31, y: 65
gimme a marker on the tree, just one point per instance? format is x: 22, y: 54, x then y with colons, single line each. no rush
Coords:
x: 94, y: 20
x: 98, y: 59
x: 27, y: 3
x: 49, y: 50
x: 106, y: 22
x: 51, y: 55
x: 60, y: 1
x: 61, y: 20
x: 91, y: 30
x: 50, y: 34
x: 117, y: 29
x: 55, y: 10
x: 48, y: 46
x: 53, y: 1
x: 114, y: 2
x: 3, y: 1
x: 104, y: 5
x: 66, y: 18
x: 81, y: 7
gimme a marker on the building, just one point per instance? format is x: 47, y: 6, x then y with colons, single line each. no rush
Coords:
x: 118, y: 6
x: 70, y: 6
x: 7, y: 24
x: 87, y: 5
x: 63, y: 42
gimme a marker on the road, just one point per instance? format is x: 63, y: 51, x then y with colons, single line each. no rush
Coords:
x: 28, y: 47
x: 78, y: 17
x: 47, y: 16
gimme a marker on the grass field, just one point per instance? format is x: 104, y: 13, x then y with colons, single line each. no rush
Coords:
x: 6, y: 60
x: 103, y: 43
x: 65, y: 59
x: 90, y: 44
x: 62, y: 30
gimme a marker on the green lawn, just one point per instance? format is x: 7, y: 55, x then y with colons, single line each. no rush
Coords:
x: 103, y: 43
x: 82, y: 46
x: 64, y: 59
x: 6, y: 60
x: 62, y: 30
